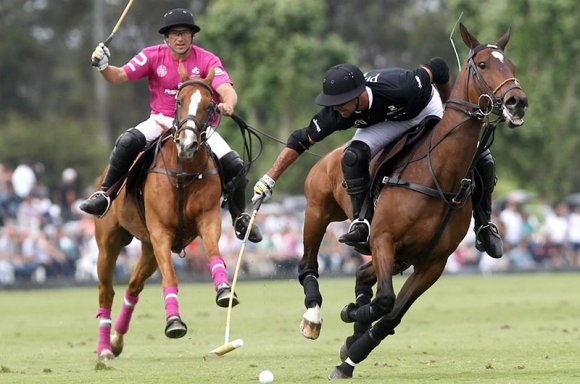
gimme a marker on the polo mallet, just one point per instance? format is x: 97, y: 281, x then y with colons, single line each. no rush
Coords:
x: 108, y: 41
x: 228, y: 345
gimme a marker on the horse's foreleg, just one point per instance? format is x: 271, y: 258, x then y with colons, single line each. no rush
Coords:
x: 146, y: 266
x: 209, y: 227
x: 316, y: 221
x: 161, y: 242
x: 420, y: 280
x: 109, y: 248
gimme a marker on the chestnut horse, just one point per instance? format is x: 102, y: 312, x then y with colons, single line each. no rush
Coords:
x: 421, y: 217
x: 180, y: 199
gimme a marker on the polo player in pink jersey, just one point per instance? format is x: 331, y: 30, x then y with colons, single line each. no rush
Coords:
x: 159, y: 64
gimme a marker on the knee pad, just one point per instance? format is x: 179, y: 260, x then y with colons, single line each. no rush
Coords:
x: 355, y: 160
x: 486, y: 169
x: 127, y: 147
x: 232, y: 165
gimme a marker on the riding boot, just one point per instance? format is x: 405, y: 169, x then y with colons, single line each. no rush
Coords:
x: 486, y: 233
x: 127, y: 147
x: 355, y: 168
x: 235, y: 196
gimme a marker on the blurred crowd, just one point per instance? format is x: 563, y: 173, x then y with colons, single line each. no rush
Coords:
x: 44, y: 237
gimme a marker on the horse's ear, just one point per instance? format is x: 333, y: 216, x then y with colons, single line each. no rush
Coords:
x: 502, y: 42
x: 182, y: 71
x: 210, y: 75
x: 467, y: 37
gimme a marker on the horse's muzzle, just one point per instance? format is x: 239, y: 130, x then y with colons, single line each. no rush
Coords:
x: 514, y: 108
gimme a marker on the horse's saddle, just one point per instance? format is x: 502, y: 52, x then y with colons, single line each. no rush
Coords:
x: 395, y: 156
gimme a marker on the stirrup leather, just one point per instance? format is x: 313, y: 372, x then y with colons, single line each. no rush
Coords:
x: 102, y: 193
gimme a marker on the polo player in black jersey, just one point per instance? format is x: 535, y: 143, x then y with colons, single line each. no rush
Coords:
x: 383, y: 104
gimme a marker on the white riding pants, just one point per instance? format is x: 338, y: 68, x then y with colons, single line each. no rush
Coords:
x: 155, y: 125
x: 380, y: 135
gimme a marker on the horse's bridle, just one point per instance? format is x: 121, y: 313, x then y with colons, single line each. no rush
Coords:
x: 488, y: 101
x: 179, y: 125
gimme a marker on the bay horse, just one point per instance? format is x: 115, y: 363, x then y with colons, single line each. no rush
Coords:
x: 166, y: 205
x: 422, y: 214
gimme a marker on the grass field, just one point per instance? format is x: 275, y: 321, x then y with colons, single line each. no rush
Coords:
x: 466, y: 329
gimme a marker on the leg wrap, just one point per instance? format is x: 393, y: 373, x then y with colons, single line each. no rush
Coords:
x: 171, y: 303
x: 219, y: 274
x: 124, y: 318
x: 312, y: 294
x: 104, y: 342
x: 363, y: 346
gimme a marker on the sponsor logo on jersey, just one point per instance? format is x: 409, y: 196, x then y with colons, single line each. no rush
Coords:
x: 218, y: 71
x: 317, y: 126
x: 360, y: 123
x: 195, y: 71
x: 418, y: 80
x: 161, y: 70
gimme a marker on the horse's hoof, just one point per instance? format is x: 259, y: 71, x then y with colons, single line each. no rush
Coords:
x: 309, y: 329
x: 106, y: 355
x: 117, y: 344
x: 222, y: 297
x: 347, y: 314
x: 338, y: 374
x: 175, y: 328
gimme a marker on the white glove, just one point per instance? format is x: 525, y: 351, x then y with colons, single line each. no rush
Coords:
x: 100, y: 57
x: 263, y: 189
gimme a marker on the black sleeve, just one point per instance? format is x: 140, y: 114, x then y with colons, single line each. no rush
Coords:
x: 439, y: 70
x: 325, y: 122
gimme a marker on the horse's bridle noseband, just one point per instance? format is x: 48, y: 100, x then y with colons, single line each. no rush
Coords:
x: 201, y: 127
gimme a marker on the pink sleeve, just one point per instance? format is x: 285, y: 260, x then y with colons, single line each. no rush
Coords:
x: 138, y: 66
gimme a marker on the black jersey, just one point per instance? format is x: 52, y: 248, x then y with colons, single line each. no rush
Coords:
x: 396, y: 94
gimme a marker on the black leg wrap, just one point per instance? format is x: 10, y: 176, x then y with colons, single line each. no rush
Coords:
x: 312, y: 294
x: 363, y: 294
x: 364, y: 314
x: 305, y: 272
x: 361, y: 348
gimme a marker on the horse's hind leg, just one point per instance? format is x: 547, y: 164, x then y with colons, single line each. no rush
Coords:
x: 146, y: 266
x: 110, y: 244
x: 420, y: 280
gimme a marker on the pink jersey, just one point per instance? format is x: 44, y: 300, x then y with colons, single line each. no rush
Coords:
x: 161, y: 70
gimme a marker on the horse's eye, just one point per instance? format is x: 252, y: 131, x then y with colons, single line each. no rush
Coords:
x: 482, y: 64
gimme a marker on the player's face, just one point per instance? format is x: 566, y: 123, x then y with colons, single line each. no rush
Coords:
x: 179, y: 40
x: 346, y: 109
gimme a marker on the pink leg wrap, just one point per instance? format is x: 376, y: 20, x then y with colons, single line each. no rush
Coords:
x: 217, y: 266
x: 104, y: 316
x: 171, y: 304
x: 122, y: 322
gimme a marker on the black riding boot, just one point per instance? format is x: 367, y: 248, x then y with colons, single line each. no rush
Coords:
x: 486, y: 232
x: 235, y: 195
x: 355, y: 168
x: 127, y: 147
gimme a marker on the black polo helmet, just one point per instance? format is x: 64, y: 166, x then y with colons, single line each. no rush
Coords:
x: 342, y: 83
x: 178, y: 17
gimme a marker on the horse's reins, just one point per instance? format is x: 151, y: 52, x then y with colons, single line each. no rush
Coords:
x: 475, y: 111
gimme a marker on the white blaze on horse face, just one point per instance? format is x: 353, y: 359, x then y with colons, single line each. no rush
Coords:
x: 189, y: 135
x: 498, y: 55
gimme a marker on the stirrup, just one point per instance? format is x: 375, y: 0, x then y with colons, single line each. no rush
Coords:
x: 97, y: 194
x: 489, y: 225
x: 359, y: 221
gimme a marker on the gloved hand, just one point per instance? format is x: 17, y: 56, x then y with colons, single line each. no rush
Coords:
x: 263, y: 189
x: 100, y: 57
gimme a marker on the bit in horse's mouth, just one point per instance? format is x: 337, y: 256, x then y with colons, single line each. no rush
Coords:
x: 513, y: 121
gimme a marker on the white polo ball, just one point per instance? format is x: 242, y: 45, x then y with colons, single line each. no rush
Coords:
x: 265, y: 377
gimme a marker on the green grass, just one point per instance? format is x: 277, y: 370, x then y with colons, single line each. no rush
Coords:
x: 465, y: 329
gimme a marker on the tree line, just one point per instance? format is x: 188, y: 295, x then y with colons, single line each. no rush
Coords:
x: 57, y: 110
